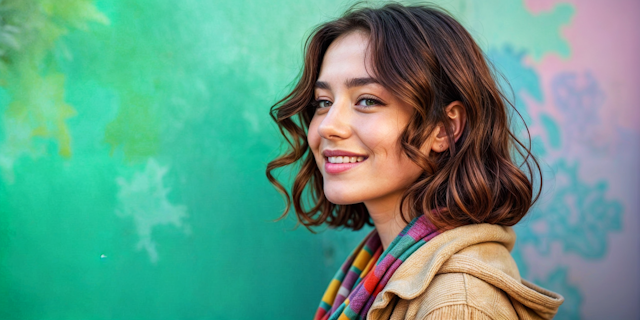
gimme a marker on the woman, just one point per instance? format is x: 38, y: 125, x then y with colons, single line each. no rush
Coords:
x: 398, y: 122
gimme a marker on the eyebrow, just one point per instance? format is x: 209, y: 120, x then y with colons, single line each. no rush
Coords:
x: 350, y: 83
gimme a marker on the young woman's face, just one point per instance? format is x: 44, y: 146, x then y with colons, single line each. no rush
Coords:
x: 354, y: 134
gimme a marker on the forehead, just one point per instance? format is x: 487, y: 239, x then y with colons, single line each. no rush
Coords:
x: 346, y: 57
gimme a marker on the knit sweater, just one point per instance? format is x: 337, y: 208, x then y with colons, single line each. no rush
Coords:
x: 464, y: 273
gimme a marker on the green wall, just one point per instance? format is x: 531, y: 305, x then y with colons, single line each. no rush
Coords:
x: 134, y: 144
x: 134, y: 136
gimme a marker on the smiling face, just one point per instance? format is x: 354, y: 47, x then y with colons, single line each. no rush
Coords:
x: 354, y: 134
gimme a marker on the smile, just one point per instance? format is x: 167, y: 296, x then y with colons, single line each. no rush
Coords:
x: 345, y: 159
x: 342, y: 166
x: 337, y: 161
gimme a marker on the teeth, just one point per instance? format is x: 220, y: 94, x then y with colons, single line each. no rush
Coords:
x: 345, y: 159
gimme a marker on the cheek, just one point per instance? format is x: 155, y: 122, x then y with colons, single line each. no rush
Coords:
x: 313, y: 137
x: 392, y: 165
x: 381, y: 137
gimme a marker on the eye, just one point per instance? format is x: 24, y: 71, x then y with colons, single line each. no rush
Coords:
x: 369, y: 102
x: 322, y: 104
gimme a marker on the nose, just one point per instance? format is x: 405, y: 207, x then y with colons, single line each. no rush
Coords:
x: 335, y: 125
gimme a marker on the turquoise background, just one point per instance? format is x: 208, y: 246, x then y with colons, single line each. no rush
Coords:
x: 135, y: 135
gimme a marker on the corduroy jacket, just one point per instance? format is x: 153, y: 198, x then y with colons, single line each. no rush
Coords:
x: 464, y: 273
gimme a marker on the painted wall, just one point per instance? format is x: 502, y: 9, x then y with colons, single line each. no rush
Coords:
x: 134, y: 137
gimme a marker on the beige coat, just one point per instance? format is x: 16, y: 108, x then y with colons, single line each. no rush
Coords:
x: 464, y: 273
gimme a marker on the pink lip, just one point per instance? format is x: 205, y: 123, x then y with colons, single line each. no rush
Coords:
x: 334, y: 168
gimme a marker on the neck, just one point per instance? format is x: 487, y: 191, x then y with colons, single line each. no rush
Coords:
x: 385, y: 214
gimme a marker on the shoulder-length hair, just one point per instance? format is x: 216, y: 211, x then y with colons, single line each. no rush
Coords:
x: 428, y: 60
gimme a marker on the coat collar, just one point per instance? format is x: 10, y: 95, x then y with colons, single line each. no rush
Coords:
x: 414, y: 275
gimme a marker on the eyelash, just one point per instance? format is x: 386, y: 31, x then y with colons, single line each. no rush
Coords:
x: 376, y: 102
x: 317, y: 103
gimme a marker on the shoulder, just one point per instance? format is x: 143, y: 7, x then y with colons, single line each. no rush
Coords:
x: 462, y: 296
x: 457, y: 293
x: 464, y: 273
x: 422, y: 286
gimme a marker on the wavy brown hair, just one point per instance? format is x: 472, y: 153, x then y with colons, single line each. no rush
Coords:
x: 428, y: 60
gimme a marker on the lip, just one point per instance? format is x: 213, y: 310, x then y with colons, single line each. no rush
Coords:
x: 341, y: 153
x: 335, y: 168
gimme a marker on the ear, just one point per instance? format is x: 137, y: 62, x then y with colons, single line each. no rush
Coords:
x: 457, y: 120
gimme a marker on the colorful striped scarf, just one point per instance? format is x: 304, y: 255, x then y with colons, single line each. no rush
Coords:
x: 354, y: 288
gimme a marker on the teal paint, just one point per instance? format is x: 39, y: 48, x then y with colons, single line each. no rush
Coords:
x: 552, y: 130
x: 499, y: 23
x: 516, y: 80
x: 138, y: 191
x: 578, y: 215
x: 144, y: 200
x: 558, y: 282
x: 37, y: 112
x: 162, y: 210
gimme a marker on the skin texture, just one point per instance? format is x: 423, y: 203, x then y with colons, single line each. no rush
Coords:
x: 366, y: 119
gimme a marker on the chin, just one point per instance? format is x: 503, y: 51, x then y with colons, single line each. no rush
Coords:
x: 340, y: 198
